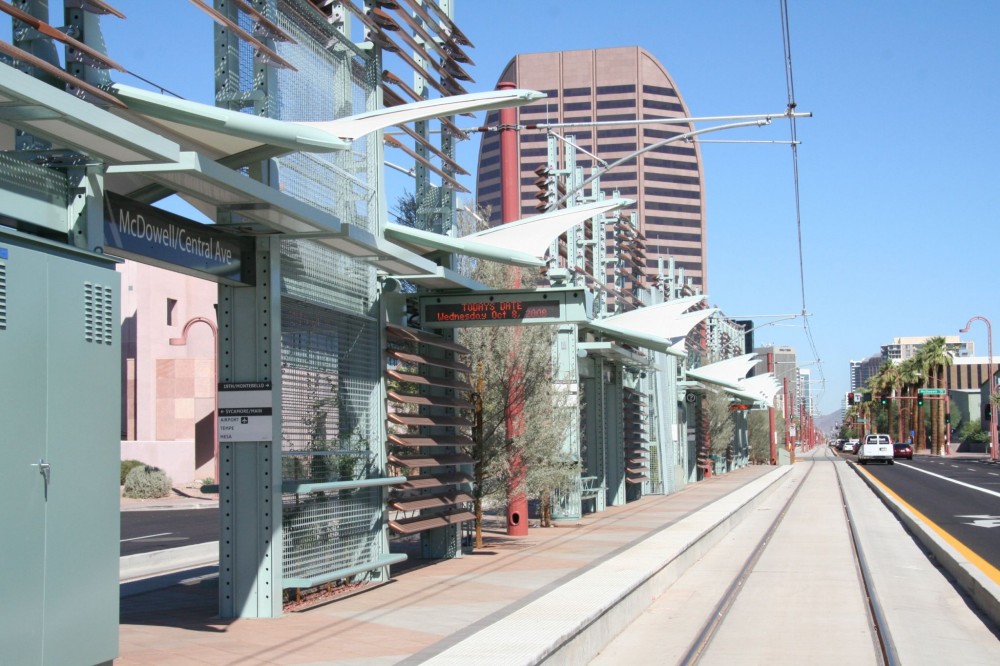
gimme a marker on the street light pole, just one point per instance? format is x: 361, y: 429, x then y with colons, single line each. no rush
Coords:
x: 992, y: 394
x: 182, y: 341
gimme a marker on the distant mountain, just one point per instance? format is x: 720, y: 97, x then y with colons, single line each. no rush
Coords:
x: 826, y: 422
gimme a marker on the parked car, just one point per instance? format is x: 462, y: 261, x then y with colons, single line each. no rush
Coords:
x: 902, y: 450
x: 850, y: 446
x: 876, y: 448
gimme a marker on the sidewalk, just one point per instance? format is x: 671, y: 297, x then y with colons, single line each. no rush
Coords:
x: 429, y: 607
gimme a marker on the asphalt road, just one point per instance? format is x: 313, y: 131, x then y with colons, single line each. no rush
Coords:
x: 962, y: 496
x: 147, y: 531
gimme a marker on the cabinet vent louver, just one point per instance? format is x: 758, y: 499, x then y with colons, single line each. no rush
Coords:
x: 97, y: 313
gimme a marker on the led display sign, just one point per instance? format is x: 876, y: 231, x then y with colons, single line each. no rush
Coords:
x: 504, y: 308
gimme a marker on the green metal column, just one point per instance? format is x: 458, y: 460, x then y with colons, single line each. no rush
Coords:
x: 614, y: 434
x: 566, y: 380
x: 250, y: 570
x: 593, y: 427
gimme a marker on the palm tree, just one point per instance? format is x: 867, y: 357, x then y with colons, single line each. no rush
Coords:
x: 886, y: 382
x: 936, y: 359
x: 909, y: 379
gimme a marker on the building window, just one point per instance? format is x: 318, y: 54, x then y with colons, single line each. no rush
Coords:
x: 615, y: 103
x: 171, y: 305
x: 615, y: 90
x: 658, y: 90
x: 664, y: 106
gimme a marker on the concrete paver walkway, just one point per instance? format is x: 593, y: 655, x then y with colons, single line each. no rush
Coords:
x: 423, y: 611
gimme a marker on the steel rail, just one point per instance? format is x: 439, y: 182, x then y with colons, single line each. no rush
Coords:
x: 880, y: 634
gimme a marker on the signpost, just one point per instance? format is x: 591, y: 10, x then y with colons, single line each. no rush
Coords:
x: 931, y: 391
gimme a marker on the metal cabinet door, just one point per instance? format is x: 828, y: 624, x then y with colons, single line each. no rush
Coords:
x: 23, y: 360
x: 84, y: 451
x: 59, y: 455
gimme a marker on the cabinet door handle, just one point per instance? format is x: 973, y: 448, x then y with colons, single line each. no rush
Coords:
x: 43, y: 469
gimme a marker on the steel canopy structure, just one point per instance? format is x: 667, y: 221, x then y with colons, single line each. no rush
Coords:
x: 319, y: 318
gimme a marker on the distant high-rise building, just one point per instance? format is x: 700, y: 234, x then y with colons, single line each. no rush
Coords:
x: 902, y: 349
x: 806, y: 398
x: 610, y: 85
x: 862, y: 371
x: 785, y: 368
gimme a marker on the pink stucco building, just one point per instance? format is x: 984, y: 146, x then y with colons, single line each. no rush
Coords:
x: 168, y: 391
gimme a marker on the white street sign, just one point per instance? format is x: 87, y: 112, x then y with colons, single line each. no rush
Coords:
x: 245, y: 412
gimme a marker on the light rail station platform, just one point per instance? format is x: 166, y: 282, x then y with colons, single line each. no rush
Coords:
x: 562, y: 594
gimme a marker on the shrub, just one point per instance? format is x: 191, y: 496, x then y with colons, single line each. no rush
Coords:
x: 126, y: 467
x: 146, y: 482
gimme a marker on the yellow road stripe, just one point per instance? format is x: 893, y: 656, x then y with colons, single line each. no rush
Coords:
x: 992, y: 572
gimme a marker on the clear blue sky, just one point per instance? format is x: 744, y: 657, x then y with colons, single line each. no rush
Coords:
x: 898, y: 168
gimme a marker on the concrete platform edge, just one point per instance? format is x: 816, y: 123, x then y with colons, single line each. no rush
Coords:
x: 170, y: 560
x: 984, y: 592
x: 573, y: 623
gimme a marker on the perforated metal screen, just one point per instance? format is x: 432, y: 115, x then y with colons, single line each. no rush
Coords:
x: 330, y: 352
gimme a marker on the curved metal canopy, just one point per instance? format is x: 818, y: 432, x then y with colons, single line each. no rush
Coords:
x: 657, y: 327
x: 234, y: 132
x: 726, y: 373
x: 761, y: 387
x: 522, y: 243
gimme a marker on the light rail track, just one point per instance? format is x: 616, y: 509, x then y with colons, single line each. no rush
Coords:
x: 703, y: 642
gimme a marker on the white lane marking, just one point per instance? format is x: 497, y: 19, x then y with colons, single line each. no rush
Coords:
x: 148, y: 536
x: 993, y: 474
x: 961, y: 483
x: 983, y: 521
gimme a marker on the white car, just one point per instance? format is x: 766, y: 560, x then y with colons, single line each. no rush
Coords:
x: 850, y: 446
x: 876, y: 448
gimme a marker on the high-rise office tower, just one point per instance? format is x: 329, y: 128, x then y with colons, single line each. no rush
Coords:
x: 610, y: 86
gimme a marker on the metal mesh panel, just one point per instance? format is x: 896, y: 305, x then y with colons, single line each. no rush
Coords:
x: 329, y: 377
x: 330, y: 531
x: 33, y: 180
x: 329, y: 84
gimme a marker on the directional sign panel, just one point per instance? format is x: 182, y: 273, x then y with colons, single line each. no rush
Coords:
x: 504, y: 308
x: 245, y: 412
x: 931, y: 391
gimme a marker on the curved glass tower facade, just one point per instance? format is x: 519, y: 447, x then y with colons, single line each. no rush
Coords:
x: 615, y: 84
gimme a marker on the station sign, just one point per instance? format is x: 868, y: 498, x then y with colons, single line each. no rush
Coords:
x: 505, y: 308
x: 150, y: 235
x: 245, y: 412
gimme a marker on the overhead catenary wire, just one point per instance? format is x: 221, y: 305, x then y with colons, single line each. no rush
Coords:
x: 794, y: 143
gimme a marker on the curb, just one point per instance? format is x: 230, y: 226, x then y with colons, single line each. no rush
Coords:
x: 572, y: 623
x: 172, y: 560
x: 171, y: 506
x: 983, y: 590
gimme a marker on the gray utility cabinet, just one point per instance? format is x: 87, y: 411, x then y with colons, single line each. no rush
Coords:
x: 60, y: 402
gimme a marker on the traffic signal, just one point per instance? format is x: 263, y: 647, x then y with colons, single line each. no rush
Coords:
x: 989, y: 411
x: 884, y: 399
x: 920, y: 400
x: 947, y: 417
x: 850, y: 398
